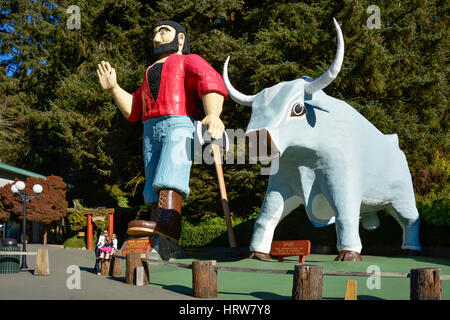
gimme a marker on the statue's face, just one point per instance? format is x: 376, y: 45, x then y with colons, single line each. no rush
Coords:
x: 163, y: 34
x: 164, y: 40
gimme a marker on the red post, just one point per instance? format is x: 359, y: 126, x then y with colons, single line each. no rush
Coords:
x: 111, y: 223
x: 89, y: 232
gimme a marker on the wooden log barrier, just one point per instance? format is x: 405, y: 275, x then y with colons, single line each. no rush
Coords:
x: 42, y: 263
x: 105, y: 264
x: 115, y: 270
x: 307, y: 282
x: 133, y: 260
x: 426, y: 284
x: 204, y: 279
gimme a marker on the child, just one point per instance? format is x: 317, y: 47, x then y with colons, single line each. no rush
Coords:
x: 107, y: 248
x: 114, y: 241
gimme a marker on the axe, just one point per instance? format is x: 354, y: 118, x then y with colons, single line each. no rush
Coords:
x: 216, y: 145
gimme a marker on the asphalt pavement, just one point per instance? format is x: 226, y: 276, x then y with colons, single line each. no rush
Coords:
x: 60, y: 284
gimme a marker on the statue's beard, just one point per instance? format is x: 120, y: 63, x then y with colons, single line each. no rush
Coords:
x: 171, y: 47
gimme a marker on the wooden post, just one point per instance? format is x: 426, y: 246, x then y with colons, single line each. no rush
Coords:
x: 89, y: 232
x: 42, y: 263
x: 204, y: 279
x: 105, y: 267
x: 134, y: 261
x: 351, y: 291
x: 426, y: 284
x: 307, y: 282
x: 116, y: 268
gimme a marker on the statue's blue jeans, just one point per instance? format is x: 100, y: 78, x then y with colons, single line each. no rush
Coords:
x: 168, y: 144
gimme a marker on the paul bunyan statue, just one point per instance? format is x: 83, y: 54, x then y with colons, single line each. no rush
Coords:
x: 331, y: 160
x: 166, y: 104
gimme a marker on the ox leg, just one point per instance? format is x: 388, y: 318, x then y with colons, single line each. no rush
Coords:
x: 274, y: 208
x: 409, y: 220
x: 347, y: 231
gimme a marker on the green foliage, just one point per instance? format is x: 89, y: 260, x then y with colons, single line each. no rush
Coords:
x: 55, y: 119
x: 119, y: 195
x: 74, y: 242
x: 435, y: 210
x: 77, y: 220
x: 203, y: 233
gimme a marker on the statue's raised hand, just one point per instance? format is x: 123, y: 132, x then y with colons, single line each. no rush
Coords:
x: 106, y: 76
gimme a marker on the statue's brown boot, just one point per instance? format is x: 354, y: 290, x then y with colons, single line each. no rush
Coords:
x: 165, y: 218
x: 259, y: 256
x: 142, y: 226
x: 347, y: 255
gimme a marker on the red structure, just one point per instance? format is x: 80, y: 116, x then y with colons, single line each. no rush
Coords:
x: 90, y: 228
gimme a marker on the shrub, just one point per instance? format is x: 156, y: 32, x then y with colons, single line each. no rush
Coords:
x: 75, y: 242
x: 205, y: 232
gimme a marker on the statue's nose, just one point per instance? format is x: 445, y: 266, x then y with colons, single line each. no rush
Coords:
x: 157, y: 40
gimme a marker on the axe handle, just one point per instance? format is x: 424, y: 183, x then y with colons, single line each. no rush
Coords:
x: 223, y: 193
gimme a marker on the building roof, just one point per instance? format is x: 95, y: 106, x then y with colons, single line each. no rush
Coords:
x: 9, y: 168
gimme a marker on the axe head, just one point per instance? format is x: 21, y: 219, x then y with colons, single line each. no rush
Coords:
x: 202, y: 136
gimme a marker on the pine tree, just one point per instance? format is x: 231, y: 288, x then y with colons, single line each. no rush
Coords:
x: 56, y: 119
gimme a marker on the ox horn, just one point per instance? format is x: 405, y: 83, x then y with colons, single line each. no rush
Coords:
x: 234, y: 94
x: 328, y: 76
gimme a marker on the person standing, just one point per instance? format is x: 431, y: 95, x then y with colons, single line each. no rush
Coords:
x: 100, y: 243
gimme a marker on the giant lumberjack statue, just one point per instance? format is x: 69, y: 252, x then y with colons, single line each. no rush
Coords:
x: 166, y: 104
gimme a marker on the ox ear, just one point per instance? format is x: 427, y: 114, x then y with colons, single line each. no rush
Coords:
x: 314, y: 104
x: 234, y: 94
x: 328, y: 76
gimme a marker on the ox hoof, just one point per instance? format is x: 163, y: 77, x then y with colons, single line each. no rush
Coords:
x: 260, y: 256
x: 411, y: 253
x: 347, y: 255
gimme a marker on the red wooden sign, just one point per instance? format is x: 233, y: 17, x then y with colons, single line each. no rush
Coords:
x: 137, y: 246
x: 286, y: 248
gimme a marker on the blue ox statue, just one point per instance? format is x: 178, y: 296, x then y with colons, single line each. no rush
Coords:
x: 331, y: 159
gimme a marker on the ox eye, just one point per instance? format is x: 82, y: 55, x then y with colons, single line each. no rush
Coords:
x: 298, y: 110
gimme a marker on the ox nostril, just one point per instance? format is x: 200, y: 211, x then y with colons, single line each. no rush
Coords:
x: 260, y: 145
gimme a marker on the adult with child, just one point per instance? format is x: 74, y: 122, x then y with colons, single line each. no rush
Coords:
x: 100, y: 243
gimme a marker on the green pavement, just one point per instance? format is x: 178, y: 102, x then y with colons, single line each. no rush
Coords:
x: 174, y: 283
x: 249, y: 286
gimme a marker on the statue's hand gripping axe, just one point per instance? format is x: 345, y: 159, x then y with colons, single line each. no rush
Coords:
x: 202, y: 136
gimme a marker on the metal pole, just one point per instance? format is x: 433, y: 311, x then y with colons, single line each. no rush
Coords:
x: 24, y: 240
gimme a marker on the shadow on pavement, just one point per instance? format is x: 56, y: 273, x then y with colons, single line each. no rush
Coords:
x: 176, y: 288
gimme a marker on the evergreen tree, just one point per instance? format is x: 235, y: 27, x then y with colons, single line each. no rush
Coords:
x: 55, y: 119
